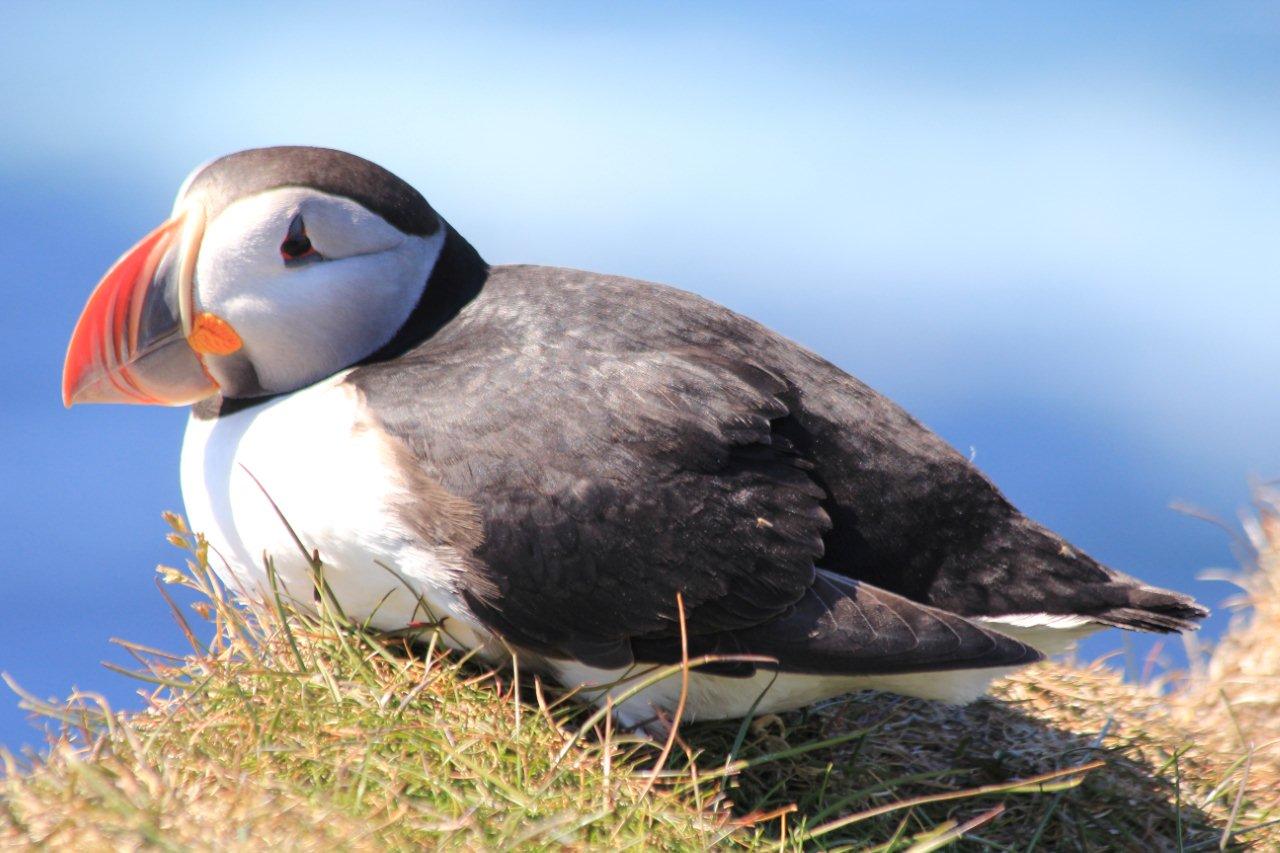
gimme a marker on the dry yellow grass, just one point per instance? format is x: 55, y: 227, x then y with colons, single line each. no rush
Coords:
x: 306, y: 733
x: 1232, y: 699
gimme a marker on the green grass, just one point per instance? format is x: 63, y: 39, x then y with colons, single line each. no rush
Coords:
x: 303, y: 731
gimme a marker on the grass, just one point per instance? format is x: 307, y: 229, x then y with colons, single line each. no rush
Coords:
x: 302, y: 731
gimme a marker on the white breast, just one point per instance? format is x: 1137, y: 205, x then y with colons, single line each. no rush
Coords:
x: 333, y: 476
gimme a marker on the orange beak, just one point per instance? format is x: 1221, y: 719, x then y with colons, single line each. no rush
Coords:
x: 138, y: 339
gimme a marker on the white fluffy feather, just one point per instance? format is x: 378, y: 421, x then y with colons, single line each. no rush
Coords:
x: 714, y: 697
x: 1049, y: 633
x: 333, y: 478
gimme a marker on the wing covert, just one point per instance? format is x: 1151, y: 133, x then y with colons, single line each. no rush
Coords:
x: 609, y: 481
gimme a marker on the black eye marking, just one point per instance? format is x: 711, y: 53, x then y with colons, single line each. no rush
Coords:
x: 296, y: 248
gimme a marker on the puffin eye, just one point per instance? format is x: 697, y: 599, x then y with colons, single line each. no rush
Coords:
x: 296, y: 248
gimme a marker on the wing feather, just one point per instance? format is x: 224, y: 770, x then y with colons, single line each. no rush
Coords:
x: 613, y: 472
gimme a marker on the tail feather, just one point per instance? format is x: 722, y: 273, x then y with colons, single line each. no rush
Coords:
x: 1152, y: 609
x: 1045, y: 574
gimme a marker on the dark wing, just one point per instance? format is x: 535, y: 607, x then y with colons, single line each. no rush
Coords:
x: 612, y: 474
x: 908, y: 513
x: 846, y: 626
x: 912, y: 515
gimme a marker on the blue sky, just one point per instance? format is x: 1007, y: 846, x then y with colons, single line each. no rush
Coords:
x: 1049, y: 230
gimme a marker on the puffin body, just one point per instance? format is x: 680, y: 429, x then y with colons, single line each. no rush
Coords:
x: 594, y: 474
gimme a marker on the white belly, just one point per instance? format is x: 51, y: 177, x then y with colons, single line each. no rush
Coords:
x: 334, y: 480
x: 715, y: 697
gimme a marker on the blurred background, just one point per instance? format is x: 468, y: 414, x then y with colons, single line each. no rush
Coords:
x: 1049, y: 230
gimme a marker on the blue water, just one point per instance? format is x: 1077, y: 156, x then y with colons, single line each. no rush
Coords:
x: 1049, y: 231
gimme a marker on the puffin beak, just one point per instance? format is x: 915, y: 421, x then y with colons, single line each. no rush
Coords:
x: 137, y: 340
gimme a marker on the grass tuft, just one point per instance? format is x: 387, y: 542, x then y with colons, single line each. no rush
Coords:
x: 303, y: 730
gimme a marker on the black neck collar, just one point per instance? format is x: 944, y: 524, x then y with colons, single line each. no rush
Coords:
x: 457, y: 277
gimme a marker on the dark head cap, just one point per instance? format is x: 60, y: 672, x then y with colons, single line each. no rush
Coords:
x: 257, y: 170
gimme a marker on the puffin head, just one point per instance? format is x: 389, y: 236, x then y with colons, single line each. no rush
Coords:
x: 278, y: 267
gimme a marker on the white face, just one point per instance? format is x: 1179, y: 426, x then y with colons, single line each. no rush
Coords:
x: 311, y: 282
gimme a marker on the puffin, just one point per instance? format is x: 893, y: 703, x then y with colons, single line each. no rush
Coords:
x: 598, y: 477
